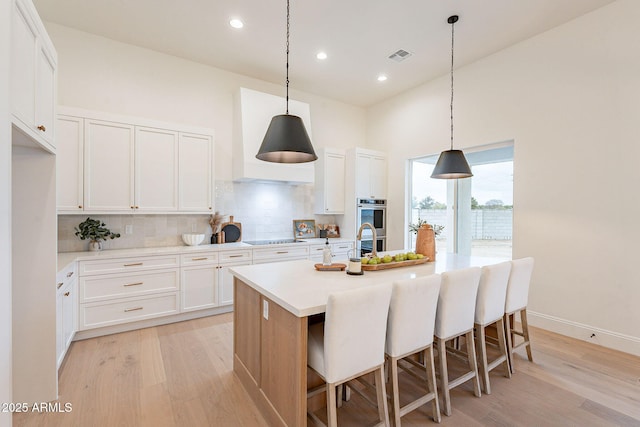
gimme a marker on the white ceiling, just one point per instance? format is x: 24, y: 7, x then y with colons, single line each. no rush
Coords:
x: 358, y: 36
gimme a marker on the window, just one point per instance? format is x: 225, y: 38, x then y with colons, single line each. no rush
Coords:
x: 476, y: 214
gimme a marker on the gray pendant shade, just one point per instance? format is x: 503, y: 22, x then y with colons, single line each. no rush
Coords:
x: 286, y: 141
x: 451, y: 165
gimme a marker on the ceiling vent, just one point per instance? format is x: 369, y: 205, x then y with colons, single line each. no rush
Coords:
x: 400, y: 55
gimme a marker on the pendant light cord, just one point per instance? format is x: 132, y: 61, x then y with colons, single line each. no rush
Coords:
x: 451, y: 105
x: 287, y: 81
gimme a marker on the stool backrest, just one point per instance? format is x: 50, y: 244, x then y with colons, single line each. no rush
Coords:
x: 492, y: 292
x: 457, y: 302
x: 412, y: 314
x: 354, y: 331
x: 518, y: 287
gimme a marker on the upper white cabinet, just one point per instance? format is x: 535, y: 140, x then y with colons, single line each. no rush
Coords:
x: 330, y: 181
x: 69, y: 163
x: 117, y: 164
x: 370, y: 173
x: 253, y: 113
x: 108, y: 166
x: 33, y: 75
x: 156, y: 169
x: 195, y: 173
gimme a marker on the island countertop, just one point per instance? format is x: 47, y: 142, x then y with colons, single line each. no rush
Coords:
x: 303, y: 291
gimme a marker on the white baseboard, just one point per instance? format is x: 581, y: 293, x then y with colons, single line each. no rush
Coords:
x: 614, y: 340
x: 114, y: 329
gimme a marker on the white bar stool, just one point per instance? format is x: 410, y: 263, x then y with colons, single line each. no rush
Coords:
x: 412, y: 315
x: 516, y: 301
x: 454, y: 318
x: 350, y: 344
x: 492, y: 293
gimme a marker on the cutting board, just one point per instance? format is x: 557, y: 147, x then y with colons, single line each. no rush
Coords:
x: 232, y: 231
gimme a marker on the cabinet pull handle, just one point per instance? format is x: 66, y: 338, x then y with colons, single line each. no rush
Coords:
x: 79, y: 206
x: 137, y: 207
x: 236, y: 256
x: 133, y: 284
x: 199, y: 259
x: 59, y: 285
x: 126, y: 310
x: 66, y: 294
x: 282, y: 252
x: 42, y: 128
x: 69, y: 274
x: 133, y: 265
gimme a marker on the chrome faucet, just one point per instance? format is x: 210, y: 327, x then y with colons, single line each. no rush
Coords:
x: 374, y: 251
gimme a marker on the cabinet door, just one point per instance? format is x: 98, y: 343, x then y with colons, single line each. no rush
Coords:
x: 69, y: 158
x: 378, y: 177
x: 195, y: 173
x: 156, y: 169
x: 23, y: 64
x: 199, y: 287
x: 69, y: 304
x: 108, y: 166
x: 225, y: 283
x: 363, y: 176
x: 59, y: 327
x: 45, y: 95
x: 334, y: 183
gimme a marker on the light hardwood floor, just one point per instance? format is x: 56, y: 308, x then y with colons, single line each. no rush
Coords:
x: 182, y: 375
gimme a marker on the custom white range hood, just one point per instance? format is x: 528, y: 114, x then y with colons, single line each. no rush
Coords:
x: 252, y: 115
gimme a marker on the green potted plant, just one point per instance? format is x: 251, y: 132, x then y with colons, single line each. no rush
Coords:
x: 95, y: 231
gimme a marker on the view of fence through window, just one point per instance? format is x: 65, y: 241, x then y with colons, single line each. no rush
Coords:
x: 483, y: 204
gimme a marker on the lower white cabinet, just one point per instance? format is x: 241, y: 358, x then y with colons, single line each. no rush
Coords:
x: 121, y: 290
x: 340, y: 251
x: 225, y: 279
x: 66, y: 311
x: 281, y: 253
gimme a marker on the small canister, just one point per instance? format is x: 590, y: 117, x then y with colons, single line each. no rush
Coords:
x: 355, y: 264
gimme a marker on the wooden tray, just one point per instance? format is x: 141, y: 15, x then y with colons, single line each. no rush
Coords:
x: 232, y: 231
x: 393, y: 264
x: 332, y: 267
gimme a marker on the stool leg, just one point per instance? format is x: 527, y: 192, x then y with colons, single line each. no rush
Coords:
x: 332, y: 412
x: 481, y: 349
x: 444, y: 376
x: 509, y: 336
x: 395, y: 391
x: 383, y: 412
x: 431, y: 383
x: 473, y: 364
x: 503, y: 347
x: 525, y: 332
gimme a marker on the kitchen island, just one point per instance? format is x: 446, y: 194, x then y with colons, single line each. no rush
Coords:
x: 274, y: 305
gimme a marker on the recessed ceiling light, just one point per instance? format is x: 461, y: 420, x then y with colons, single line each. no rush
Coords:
x: 382, y: 78
x: 236, y: 23
x: 321, y: 55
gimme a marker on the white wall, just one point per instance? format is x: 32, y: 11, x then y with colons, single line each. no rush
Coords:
x: 6, y: 349
x: 570, y: 99
x: 105, y: 75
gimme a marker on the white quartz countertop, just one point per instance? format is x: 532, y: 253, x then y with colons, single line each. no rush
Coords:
x: 302, y: 290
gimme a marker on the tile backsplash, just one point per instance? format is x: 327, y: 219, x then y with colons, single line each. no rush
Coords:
x: 265, y: 210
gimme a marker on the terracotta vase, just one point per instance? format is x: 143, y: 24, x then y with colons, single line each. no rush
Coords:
x: 426, y: 242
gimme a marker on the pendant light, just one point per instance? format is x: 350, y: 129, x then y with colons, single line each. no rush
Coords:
x: 451, y: 163
x: 286, y: 140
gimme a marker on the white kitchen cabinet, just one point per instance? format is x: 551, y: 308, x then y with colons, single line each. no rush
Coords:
x: 33, y: 75
x: 370, y: 174
x: 339, y: 251
x: 122, y: 290
x: 195, y: 173
x: 199, y: 281
x: 66, y: 310
x: 281, y: 253
x: 69, y: 163
x: 108, y: 166
x: 155, y: 169
x: 230, y: 259
x: 116, y: 164
x: 330, y: 181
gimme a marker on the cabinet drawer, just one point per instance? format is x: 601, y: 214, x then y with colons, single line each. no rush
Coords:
x: 123, y: 311
x: 282, y: 252
x: 127, y: 284
x: 121, y: 265
x: 199, y: 258
x: 233, y: 256
x: 316, y: 250
x: 342, y: 247
x: 67, y: 275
